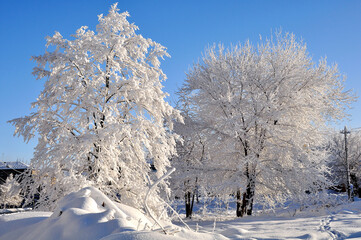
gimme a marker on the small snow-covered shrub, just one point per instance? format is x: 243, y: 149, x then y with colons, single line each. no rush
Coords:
x: 10, y: 193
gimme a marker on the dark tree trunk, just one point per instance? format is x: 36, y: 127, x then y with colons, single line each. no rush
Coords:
x: 196, y: 193
x: 192, y: 205
x: 246, y: 206
x: 189, y: 198
x: 356, y: 187
x: 189, y: 201
x: 239, y: 204
x: 250, y: 197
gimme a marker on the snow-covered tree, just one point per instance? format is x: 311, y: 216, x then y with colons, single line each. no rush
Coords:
x: 10, y: 193
x: 196, y: 175
x: 264, y: 110
x: 101, y: 116
x: 190, y: 160
x: 338, y: 164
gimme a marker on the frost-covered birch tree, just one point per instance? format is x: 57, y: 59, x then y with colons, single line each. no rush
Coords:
x: 263, y: 110
x: 102, y: 116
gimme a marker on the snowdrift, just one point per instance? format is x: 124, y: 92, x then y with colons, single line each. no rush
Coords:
x: 89, y: 214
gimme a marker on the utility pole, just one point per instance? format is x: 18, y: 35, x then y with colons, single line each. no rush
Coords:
x: 345, y: 132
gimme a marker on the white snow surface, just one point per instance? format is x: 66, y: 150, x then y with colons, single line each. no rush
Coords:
x: 89, y: 214
x: 341, y: 222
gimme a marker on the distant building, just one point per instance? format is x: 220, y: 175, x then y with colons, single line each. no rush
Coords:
x: 14, y: 168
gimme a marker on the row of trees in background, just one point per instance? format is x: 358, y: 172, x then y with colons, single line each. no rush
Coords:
x: 254, y: 119
x: 199, y: 176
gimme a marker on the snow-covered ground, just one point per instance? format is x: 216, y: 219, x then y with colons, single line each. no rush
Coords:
x: 89, y: 214
x: 343, y: 224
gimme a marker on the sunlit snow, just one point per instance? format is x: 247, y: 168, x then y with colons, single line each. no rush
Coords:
x: 89, y: 214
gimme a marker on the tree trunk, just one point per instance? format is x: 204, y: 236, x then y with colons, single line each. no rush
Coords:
x: 356, y: 187
x: 192, y: 204
x: 189, y: 204
x: 239, y: 204
x: 250, y: 196
x: 187, y: 197
x: 246, y: 207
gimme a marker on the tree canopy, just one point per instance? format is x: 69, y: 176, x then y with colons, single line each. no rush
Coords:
x: 263, y: 110
x: 101, y: 117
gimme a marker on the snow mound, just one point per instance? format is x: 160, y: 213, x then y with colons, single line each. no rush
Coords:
x: 89, y: 214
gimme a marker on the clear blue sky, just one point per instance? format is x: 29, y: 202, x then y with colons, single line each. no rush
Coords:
x: 186, y: 28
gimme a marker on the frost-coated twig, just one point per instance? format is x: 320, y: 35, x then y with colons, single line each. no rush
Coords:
x: 178, y: 216
x: 139, y: 221
x: 148, y: 193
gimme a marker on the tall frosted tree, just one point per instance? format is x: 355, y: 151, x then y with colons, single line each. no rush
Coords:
x: 264, y: 110
x: 102, y: 117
